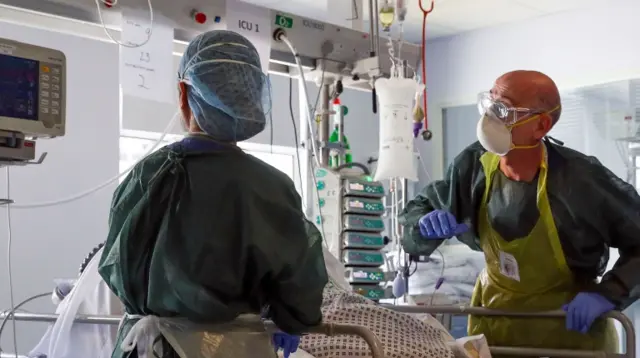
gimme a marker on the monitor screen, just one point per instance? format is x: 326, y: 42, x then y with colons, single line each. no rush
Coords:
x: 18, y: 87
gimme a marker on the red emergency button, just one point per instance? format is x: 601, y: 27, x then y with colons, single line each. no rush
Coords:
x: 199, y: 17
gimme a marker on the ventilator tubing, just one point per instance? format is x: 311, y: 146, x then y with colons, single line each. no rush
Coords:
x: 396, y: 158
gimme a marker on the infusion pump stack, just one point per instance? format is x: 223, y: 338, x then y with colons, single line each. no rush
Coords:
x: 349, y: 211
x: 32, y: 99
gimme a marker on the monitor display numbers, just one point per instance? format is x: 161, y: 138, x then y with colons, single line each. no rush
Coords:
x: 19, y: 87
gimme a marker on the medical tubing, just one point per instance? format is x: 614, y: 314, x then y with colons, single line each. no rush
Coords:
x: 364, y: 168
x: 103, y: 185
x: 440, y: 279
x: 280, y: 35
x: 106, y: 30
x: 283, y: 37
x: 9, y: 266
x: 10, y: 313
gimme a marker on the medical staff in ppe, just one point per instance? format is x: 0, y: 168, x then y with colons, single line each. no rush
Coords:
x: 545, y: 217
x: 203, y: 235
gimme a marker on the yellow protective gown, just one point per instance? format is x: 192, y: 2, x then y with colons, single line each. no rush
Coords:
x: 529, y: 274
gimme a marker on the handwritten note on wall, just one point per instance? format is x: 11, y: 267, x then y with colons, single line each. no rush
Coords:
x: 146, y: 71
x: 254, y: 23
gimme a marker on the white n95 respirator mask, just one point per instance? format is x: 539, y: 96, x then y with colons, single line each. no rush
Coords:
x: 495, y: 135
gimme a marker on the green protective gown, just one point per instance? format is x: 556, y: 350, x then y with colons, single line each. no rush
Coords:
x: 206, y: 232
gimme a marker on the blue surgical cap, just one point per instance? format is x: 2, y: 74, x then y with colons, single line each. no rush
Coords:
x: 228, y: 92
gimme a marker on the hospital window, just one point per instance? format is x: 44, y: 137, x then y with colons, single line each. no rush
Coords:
x: 133, y: 148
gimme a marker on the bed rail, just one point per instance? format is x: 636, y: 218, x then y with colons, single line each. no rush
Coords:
x: 329, y: 329
x: 627, y: 325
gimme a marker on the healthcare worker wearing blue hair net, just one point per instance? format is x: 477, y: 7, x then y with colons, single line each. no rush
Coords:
x: 203, y: 238
x: 545, y: 217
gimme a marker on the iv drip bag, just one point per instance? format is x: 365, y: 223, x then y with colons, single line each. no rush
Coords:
x: 395, y: 99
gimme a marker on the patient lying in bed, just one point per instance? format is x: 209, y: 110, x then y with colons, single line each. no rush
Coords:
x: 402, y: 335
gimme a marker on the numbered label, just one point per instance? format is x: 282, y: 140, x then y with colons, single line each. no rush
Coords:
x: 248, y: 26
x: 145, y: 57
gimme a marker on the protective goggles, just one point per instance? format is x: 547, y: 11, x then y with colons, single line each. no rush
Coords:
x: 507, y: 114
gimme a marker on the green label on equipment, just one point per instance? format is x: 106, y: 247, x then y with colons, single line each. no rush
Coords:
x: 284, y: 21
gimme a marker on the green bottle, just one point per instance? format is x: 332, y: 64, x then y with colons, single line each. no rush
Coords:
x: 345, y: 157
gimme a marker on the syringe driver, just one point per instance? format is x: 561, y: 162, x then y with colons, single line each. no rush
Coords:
x: 32, y: 97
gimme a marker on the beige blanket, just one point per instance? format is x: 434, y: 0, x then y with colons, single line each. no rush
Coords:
x: 402, y: 335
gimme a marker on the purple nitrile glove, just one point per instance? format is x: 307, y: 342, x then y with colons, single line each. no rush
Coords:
x: 440, y: 224
x: 288, y: 343
x: 584, y: 309
x: 417, y: 126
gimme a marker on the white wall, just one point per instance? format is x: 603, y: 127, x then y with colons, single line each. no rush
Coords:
x: 575, y: 48
x: 50, y: 243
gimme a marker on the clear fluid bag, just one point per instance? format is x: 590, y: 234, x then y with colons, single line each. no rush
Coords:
x: 395, y: 100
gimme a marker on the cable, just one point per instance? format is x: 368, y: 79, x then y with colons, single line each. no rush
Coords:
x: 313, y: 174
x: 303, y: 83
x: 364, y: 168
x: 9, y: 267
x: 164, y: 133
x: 82, y: 194
x: 270, y: 116
x: 440, y: 280
x: 295, y: 133
x: 14, y: 310
x: 106, y: 30
x: 11, y: 206
x: 424, y: 166
x: 106, y: 183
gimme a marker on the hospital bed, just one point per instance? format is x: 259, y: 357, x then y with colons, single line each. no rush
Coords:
x: 376, y: 347
x: 627, y: 325
x: 328, y: 329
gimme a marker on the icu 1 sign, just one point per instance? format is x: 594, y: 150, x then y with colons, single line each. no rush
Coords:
x: 313, y: 25
x: 248, y: 26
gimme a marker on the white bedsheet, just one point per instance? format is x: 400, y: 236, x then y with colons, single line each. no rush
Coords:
x: 460, y: 268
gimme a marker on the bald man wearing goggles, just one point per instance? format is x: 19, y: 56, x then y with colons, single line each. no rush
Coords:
x: 545, y: 217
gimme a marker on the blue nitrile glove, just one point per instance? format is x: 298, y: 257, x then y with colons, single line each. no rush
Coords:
x: 440, y: 224
x: 584, y: 309
x: 286, y: 342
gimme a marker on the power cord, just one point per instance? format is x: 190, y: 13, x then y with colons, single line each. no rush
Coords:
x: 9, y: 266
x: 10, y: 313
x: 313, y: 174
x: 440, y: 280
x: 295, y: 131
x: 279, y: 35
x: 11, y: 206
x: 271, y: 115
x: 88, y: 192
x: 112, y: 3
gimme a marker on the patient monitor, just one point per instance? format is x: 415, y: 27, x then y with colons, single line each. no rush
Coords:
x: 32, y: 98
